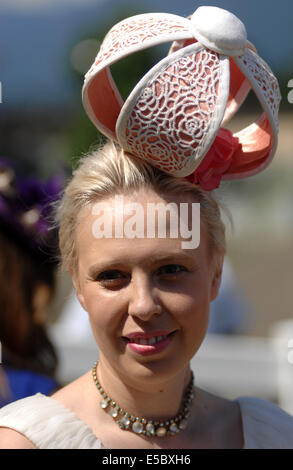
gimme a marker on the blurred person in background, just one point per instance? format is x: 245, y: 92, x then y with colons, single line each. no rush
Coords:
x: 27, y: 279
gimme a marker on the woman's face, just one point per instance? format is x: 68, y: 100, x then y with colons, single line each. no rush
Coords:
x: 147, y: 298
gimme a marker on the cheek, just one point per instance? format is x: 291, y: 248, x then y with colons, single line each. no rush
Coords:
x: 190, y: 306
x: 105, y: 315
x: 195, y: 312
x: 199, y: 292
x: 193, y: 309
x: 195, y: 323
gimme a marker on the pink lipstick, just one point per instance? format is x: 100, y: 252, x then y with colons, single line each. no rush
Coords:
x: 149, y: 343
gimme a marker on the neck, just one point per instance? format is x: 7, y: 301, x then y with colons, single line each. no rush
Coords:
x: 147, y: 397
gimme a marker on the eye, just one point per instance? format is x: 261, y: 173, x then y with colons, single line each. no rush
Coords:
x: 112, y: 278
x: 107, y: 275
x: 171, y: 270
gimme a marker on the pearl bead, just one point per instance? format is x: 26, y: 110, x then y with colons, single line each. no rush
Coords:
x: 113, y: 412
x: 161, y: 432
x: 173, y: 427
x: 150, y: 428
x: 183, y: 424
x: 104, y: 404
x: 137, y: 427
x: 125, y: 420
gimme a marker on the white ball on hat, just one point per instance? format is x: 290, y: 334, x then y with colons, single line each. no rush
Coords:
x: 219, y: 30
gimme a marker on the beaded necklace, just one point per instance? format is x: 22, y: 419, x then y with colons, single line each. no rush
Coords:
x: 144, y: 426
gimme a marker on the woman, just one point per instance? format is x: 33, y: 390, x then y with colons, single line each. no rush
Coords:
x: 136, y: 290
x: 147, y: 296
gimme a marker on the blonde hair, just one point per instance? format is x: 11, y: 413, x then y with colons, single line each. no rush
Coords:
x: 108, y: 171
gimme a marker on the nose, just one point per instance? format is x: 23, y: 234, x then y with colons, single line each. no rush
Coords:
x: 143, y: 301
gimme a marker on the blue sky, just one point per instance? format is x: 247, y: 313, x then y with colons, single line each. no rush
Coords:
x: 36, y: 37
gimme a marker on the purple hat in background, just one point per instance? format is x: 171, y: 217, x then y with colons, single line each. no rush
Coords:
x: 26, y: 206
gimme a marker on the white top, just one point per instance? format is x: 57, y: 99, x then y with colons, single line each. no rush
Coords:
x: 50, y: 425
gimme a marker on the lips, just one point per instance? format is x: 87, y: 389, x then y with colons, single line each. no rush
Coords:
x: 148, y: 343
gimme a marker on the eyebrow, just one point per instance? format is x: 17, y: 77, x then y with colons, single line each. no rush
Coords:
x: 119, y: 263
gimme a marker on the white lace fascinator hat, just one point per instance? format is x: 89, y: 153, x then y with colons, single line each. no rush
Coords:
x: 175, y: 116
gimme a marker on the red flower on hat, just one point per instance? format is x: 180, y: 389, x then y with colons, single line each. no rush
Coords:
x: 216, y: 161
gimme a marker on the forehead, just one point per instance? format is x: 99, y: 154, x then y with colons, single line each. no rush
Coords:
x: 140, y: 225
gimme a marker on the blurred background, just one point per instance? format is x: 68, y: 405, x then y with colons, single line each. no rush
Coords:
x: 46, y: 47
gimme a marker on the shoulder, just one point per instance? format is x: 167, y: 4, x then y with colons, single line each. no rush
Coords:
x: 265, y: 424
x: 46, y: 423
x: 219, y: 420
x: 15, y: 422
x: 11, y: 439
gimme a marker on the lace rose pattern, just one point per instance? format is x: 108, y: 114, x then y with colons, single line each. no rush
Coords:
x: 165, y: 123
x: 268, y: 83
x: 134, y: 32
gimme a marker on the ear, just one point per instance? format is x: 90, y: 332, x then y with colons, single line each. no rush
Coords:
x: 216, y: 277
x: 76, y: 285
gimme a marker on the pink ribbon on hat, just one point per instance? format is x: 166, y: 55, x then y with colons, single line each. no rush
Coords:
x: 216, y: 162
